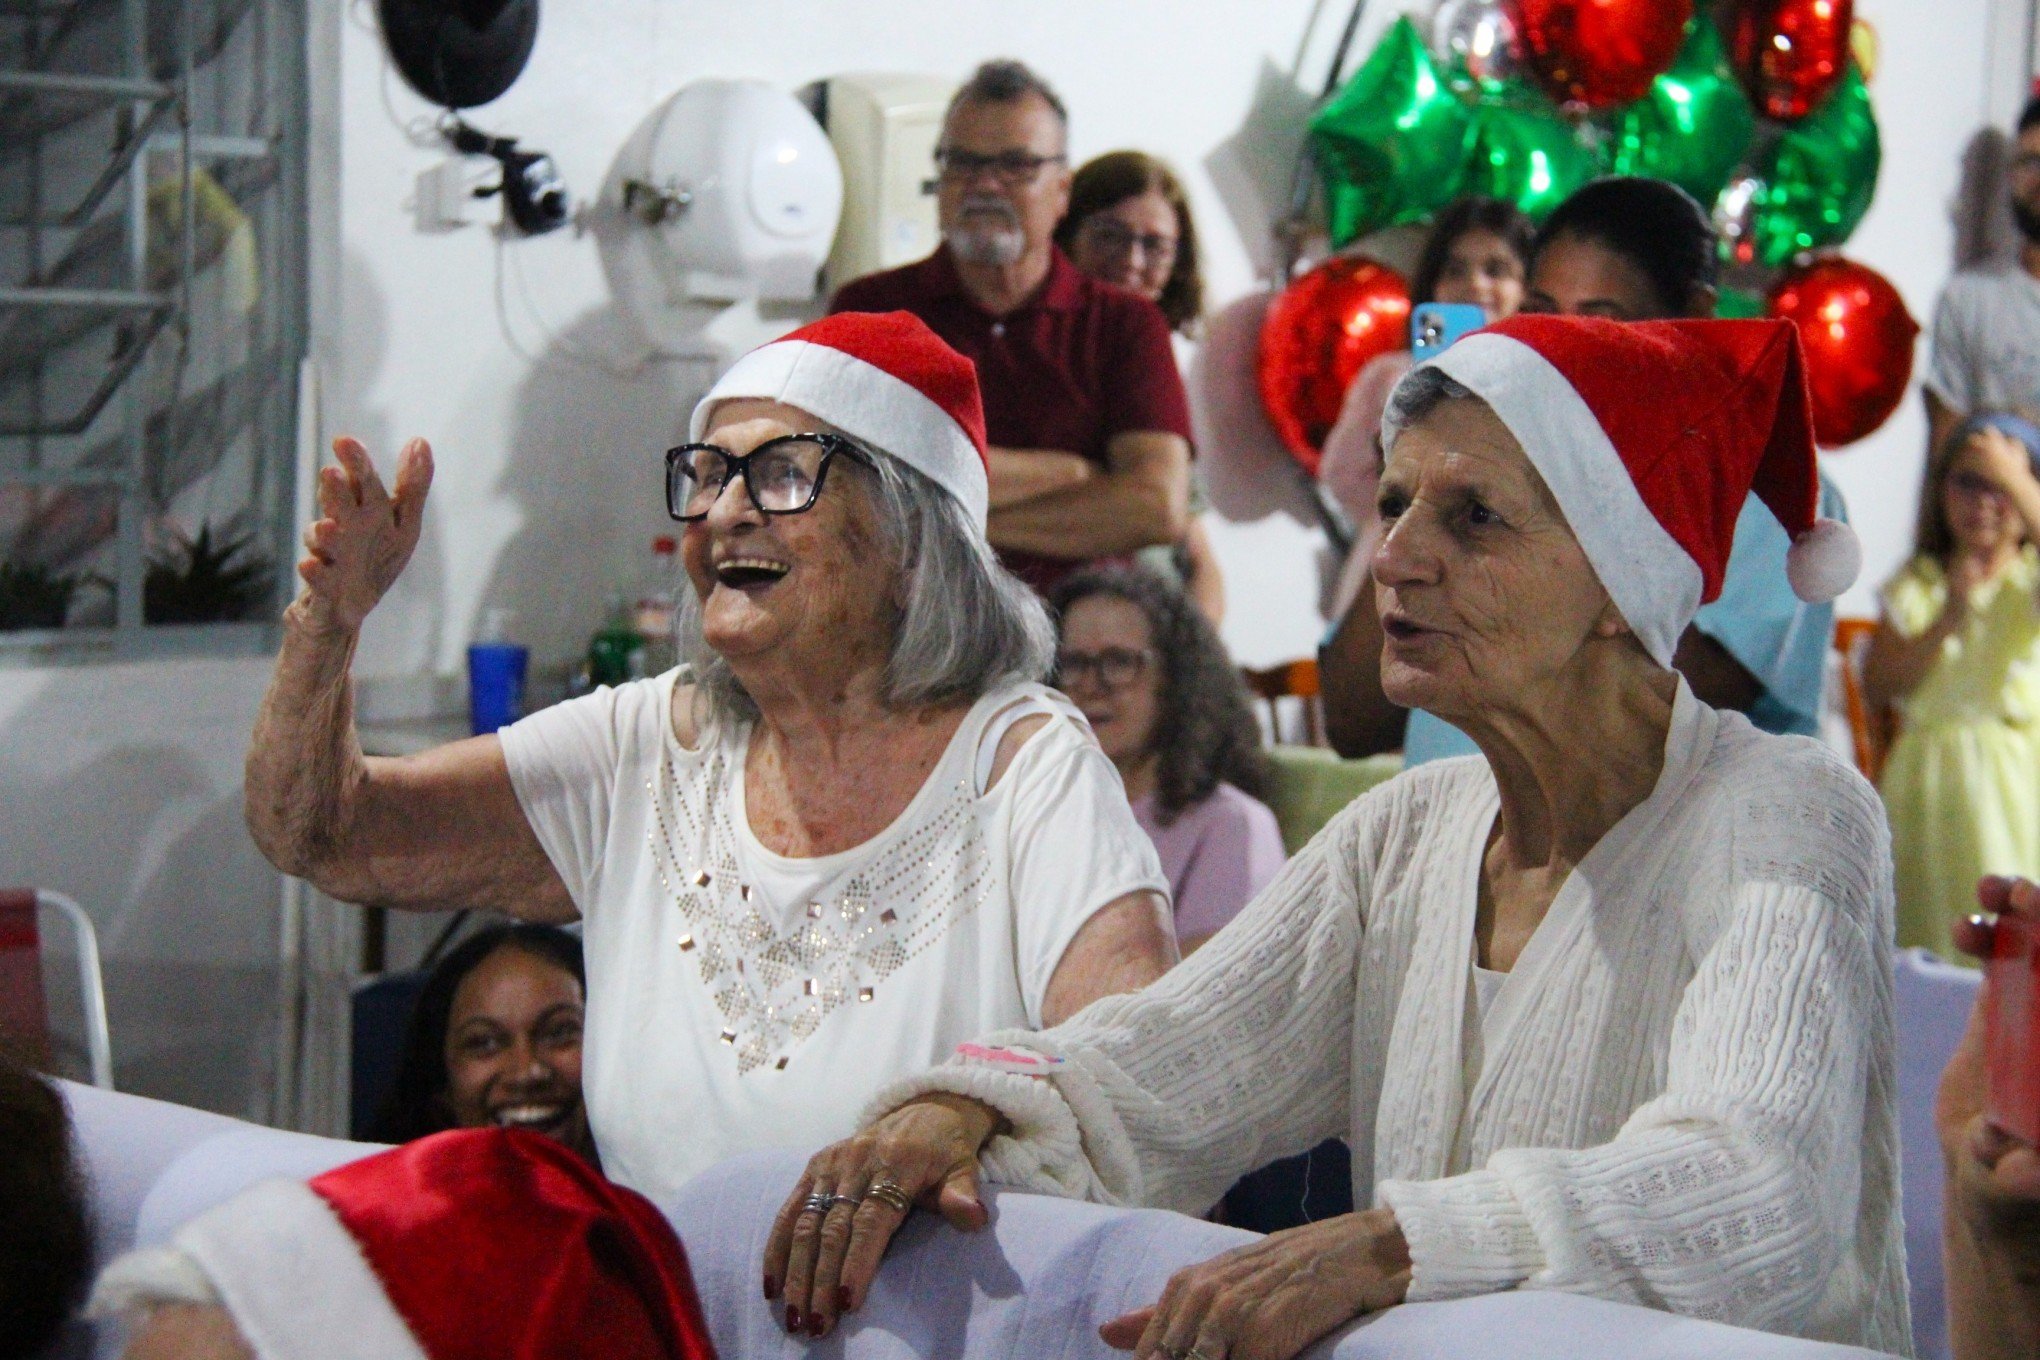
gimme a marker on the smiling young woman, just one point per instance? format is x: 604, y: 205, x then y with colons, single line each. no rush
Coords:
x: 495, y: 1041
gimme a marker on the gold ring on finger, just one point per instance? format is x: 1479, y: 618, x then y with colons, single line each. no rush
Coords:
x: 890, y: 1193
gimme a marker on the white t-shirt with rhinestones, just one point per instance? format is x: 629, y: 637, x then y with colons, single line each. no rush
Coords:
x: 740, y: 999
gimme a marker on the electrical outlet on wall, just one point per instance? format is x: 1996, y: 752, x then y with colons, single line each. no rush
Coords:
x: 443, y: 196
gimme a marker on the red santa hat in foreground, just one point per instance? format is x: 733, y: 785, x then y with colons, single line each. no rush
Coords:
x: 880, y: 377
x: 1651, y: 435
x: 473, y: 1245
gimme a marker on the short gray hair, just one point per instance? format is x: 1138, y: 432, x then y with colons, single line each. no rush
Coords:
x: 965, y: 625
x: 1005, y: 81
x: 1422, y: 391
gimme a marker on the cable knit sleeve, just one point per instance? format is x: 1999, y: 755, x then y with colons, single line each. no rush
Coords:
x: 1241, y: 1055
x: 1733, y: 1194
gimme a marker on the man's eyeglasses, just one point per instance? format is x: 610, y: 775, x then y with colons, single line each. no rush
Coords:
x: 1111, y: 668
x: 1010, y: 168
x: 783, y: 476
x: 1113, y: 238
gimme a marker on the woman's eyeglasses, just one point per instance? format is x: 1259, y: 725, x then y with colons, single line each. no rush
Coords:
x: 1112, y: 668
x: 782, y: 476
x: 1113, y: 238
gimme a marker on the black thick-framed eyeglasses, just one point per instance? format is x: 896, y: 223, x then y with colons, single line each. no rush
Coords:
x: 782, y: 476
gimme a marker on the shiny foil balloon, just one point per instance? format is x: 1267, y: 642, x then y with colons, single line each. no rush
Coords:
x: 1790, y: 54
x: 1600, y: 53
x: 1320, y: 332
x: 1526, y: 154
x: 1390, y: 144
x: 1817, y: 181
x: 1694, y: 126
x: 1858, y: 340
x: 1476, y: 43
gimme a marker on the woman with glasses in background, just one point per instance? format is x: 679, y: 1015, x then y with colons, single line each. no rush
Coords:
x: 1957, y: 658
x: 851, y: 831
x: 1167, y: 706
x: 1129, y: 224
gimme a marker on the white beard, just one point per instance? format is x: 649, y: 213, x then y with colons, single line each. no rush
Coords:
x: 986, y: 245
x: 980, y: 239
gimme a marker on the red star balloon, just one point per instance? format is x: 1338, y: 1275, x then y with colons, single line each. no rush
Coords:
x: 1600, y: 53
x: 1789, y: 54
x: 1318, y: 335
x: 1858, y: 340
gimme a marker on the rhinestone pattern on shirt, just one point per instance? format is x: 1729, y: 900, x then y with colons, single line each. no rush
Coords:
x: 772, y: 989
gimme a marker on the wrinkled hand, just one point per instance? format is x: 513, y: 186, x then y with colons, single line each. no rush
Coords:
x: 824, y: 1263
x: 366, y: 534
x: 1993, y: 1178
x: 1271, y: 1299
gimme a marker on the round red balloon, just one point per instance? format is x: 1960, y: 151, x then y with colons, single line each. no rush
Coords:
x: 1600, y: 53
x: 1858, y: 340
x: 1319, y: 333
x: 1790, y: 54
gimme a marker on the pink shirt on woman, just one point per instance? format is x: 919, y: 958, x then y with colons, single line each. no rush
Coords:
x: 1217, y: 855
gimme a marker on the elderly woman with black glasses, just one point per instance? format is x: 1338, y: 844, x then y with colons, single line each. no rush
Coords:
x: 852, y: 830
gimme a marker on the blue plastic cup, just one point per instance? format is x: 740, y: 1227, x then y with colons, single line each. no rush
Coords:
x: 495, y: 685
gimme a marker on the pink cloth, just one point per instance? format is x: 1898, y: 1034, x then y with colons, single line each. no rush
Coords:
x: 1217, y: 855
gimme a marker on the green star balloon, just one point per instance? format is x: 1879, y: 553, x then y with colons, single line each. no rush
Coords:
x: 1819, y: 178
x: 1391, y: 144
x: 1524, y: 152
x: 1694, y: 126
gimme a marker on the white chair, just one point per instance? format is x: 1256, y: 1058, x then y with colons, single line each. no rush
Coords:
x: 22, y: 914
x: 1934, y: 1000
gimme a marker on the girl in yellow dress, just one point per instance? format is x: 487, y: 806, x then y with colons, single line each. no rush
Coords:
x: 1957, y: 658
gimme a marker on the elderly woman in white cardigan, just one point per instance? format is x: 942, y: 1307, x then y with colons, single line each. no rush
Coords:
x: 1607, y: 1011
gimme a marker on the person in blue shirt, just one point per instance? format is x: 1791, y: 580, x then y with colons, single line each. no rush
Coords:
x: 1629, y: 249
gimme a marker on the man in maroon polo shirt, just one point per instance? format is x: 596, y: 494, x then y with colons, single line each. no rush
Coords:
x: 1083, y: 404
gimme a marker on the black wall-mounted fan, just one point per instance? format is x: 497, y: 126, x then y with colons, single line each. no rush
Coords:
x: 459, y: 53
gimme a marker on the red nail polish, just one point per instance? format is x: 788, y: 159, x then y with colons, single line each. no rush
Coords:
x: 814, y: 1324
x: 771, y: 1286
x: 842, y: 1298
x: 792, y: 1318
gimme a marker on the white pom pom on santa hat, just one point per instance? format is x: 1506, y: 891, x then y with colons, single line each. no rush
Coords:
x: 1824, y: 561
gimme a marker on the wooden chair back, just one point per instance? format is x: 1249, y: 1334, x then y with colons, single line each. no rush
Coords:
x: 1870, y: 732
x: 1289, y: 680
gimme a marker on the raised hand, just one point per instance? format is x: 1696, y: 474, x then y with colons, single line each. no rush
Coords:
x: 365, y: 536
x: 1271, y: 1299
x: 833, y: 1229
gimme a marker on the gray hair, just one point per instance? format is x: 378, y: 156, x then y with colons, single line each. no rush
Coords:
x: 1005, y: 81
x: 964, y: 625
x: 1421, y: 391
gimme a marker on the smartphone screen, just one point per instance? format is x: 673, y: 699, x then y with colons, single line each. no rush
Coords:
x: 2011, y: 1047
x: 1435, y: 325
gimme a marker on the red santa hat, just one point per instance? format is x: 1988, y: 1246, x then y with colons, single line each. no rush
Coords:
x: 880, y: 377
x: 470, y: 1245
x: 1651, y: 435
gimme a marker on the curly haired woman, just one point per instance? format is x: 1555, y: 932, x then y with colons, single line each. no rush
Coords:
x: 1162, y: 696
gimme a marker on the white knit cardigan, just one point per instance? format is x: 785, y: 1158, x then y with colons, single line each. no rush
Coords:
x: 1683, y: 1096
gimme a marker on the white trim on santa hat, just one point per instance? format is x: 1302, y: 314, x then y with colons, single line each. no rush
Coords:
x: 864, y: 401
x: 1652, y: 579
x: 293, y: 1277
